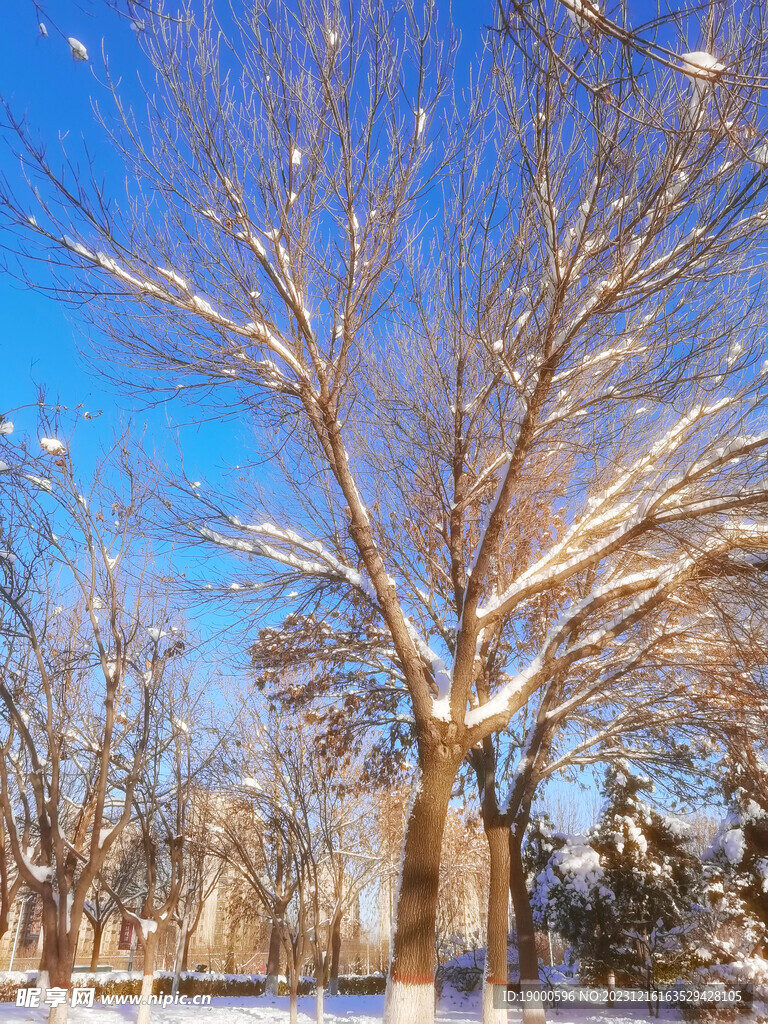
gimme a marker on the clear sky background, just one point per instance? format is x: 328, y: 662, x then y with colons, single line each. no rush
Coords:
x: 42, y: 340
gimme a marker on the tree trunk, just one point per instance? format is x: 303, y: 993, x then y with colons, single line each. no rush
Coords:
x: 98, y: 928
x: 59, y: 1014
x: 497, y: 834
x: 293, y: 996
x: 185, y: 953
x: 190, y: 932
x: 181, y: 942
x: 526, y: 933
x: 333, y: 980
x: 410, y: 996
x: 150, y: 950
x: 273, y: 958
x: 56, y: 963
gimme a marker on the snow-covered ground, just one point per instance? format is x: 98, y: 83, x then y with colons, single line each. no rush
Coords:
x: 453, y: 1009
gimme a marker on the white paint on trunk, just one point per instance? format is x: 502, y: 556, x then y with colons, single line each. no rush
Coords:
x: 534, y: 1015
x: 409, y: 1004
x: 492, y: 1015
x: 320, y: 1005
x: 270, y: 985
x: 59, y: 1014
x: 145, y: 1007
x: 43, y: 983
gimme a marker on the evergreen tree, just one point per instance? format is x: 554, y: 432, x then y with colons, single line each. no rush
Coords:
x: 736, y: 864
x: 621, y: 896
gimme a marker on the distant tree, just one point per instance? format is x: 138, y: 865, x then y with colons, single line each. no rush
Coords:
x: 162, y: 807
x: 120, y: 881
x: 79, y: 675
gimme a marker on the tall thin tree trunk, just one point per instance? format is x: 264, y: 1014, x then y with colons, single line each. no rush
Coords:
x: 273, y: 958
x: 410, y: 996
x: 185, y: 953
x: 189, y: 933
x: 333, y: 980
x: 320, y: 996
x: 179, y: 956
x: 526, y: 933
x: 497, y: 834
x: 293, y: 994
x: 98, y: 929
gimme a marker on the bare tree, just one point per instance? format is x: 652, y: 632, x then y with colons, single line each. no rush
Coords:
x: 568, y: 331
x: 78, y: 678
x: 122, y: 870
x: 163, y: 799
x: 202, y: 877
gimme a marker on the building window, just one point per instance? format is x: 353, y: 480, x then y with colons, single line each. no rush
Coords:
x: 31, y: 920
x: 126, y: 934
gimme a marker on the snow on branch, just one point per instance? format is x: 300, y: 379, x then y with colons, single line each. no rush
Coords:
x: 258, y: 331
x: 587, y: 542
x: 324, y: 563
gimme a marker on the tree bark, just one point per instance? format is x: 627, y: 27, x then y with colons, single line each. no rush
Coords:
x: 56, y: 960
x: 181, y: 942
x: 185, y: 954
x: 273, y: 958
x: 98, y: 928
x: 333, y: 979
x: 497, y: 834
x: 410, y: 996
x: 526, y: 933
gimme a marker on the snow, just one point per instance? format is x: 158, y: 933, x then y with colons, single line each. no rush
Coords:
x: 700, y: 64
x: 421, y: 120
x: 6, y: 427
x: 441, y: 709
x: 203, y: 306
x: 155, y: 633
x: 453, y: 1008
x: 39, y: 481
x: 43, y: 28
x: 174, y: 278
x: 580, y: 865
x: 733, y: 845
x: 52, y: 445
x: 39, y: 872
x: 79, y: 52
x: 296, y: 157
x: 581, y: 12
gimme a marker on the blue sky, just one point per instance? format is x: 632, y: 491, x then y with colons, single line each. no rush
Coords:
x: 42, y: 340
